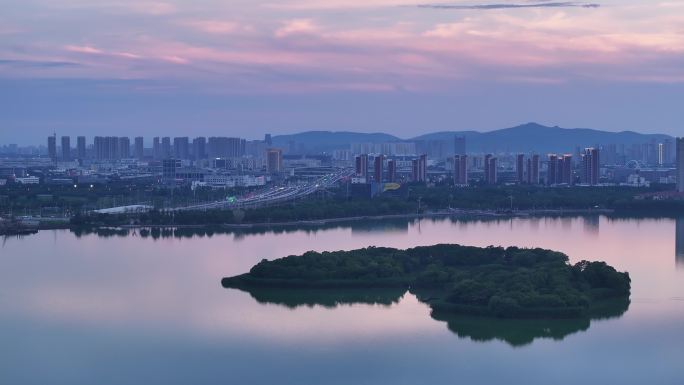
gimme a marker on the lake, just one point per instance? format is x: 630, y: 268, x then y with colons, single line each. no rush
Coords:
x: 148, y: 308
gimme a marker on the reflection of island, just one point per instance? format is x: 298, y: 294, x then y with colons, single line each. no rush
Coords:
x: 520, y: 332
x: 293, y: 298
x: 515, y: 332
x: 679, y: 242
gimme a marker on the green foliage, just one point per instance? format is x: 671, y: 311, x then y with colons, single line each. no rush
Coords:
x: 510, y: 282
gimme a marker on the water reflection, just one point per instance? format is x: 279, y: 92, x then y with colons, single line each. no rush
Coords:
x: 398, y: 225
x: 679, y: 242
x: 521, y: 332
x: 328, y: 298
x: 515, y: 332
x: 591, y: 224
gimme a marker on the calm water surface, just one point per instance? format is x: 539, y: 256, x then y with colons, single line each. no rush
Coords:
x: 91, y: 309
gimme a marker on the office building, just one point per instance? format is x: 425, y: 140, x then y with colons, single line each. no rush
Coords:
x: 139, y: 146
x: 419, y: 169
x: 378, y: 168
x: 81, y: 147
x: 362, y: 166
x: 680, y: 164
x: 52, y: 147
x: 391, y: 171
x: 520, y: 168
x: 268, y: 139
x: 274, y: 160
x: 460, y: 170
x: 181, y: 147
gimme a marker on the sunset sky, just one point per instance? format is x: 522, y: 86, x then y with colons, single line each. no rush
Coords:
x: 247, y: 67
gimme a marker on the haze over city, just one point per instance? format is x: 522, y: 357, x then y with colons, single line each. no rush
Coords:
x: 245, y: 68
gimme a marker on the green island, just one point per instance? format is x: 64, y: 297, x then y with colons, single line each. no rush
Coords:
x: 452, y: 279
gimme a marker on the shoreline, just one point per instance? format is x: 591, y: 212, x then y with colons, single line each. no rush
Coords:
x: 453, y: 213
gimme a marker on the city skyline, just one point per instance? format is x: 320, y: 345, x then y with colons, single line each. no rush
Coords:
x: 86, y: 68
x: 459, y: 134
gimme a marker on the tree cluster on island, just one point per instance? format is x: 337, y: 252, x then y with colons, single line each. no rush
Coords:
x: 493, y: 281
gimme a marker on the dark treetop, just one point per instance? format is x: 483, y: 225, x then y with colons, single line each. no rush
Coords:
x: 493, y: 281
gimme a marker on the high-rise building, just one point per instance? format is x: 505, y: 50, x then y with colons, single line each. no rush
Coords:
x: 566, y: 169
x: 52, y: 146
x: 81, y: 147
x: 98, y: 147
x: 460, y: 170
x: 378, y: 168
x: 668, y: 151
x: 181, y: 147
x: 222, y: 147
x: 609, y: 153
x: 487, y: 163
x: 107, y: 147
x: 391, y: 171
x: 236, y: 147
x: 535, y: 169
x: 66, y: 148
x: 519, y: 168
x: 459, y: 145
x: 419, y: 169
x: 199, y: 148
x: 139, y: 147
x: 169, y: 168
x: 552, y: 170
x: 362, y: 166
x: 491, y: 172
x: 114, y: 145
x: 274, y: 160
x: 268, y: 140
x: 680, y: 164
x: 124, y: 147
x: 590, y: 166
x: 156, y: 148
x: 165, y: 147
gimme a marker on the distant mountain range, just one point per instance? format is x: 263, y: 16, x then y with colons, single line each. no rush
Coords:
x: 530, y: 137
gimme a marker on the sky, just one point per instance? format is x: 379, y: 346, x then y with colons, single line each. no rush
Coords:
x: 250, y: 67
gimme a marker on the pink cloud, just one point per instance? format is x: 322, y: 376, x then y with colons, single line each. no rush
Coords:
x: 83, y: 49
x: 218, y: 26
x: 297, y: 26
